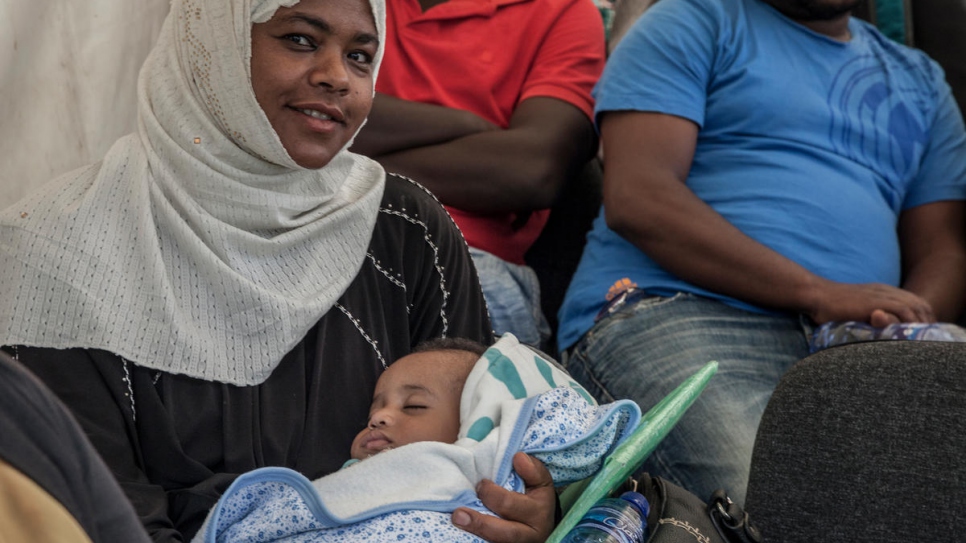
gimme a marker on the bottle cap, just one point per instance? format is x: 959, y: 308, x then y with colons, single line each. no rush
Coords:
x: 639, y: 502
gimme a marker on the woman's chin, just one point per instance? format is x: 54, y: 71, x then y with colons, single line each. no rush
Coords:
x: 312, y: 161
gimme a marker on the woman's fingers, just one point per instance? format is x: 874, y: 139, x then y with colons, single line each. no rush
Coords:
x: 527, y: 517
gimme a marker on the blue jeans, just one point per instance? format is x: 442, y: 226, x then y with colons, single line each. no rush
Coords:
x: 512, y: 295
x: 646, y: 349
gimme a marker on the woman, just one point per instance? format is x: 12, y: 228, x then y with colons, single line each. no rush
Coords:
x: 222, y: 291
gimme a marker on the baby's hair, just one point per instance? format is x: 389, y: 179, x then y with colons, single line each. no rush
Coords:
x: 451, y: 344
x: 455, y: 344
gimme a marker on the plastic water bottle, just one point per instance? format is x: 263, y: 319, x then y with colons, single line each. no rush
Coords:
x: 613, y: 520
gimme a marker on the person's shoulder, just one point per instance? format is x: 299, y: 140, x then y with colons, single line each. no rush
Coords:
x: 911, y: 59
x: 548, y: 19
x: 556, y: 6
x: 404, y: 193
x: 50, y: 200
x: 689, y: 17
x: 865, y: 30
x: 711, y: 8
x: 407, y: 204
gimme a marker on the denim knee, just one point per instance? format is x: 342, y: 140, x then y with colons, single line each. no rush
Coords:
x: 644, y: 351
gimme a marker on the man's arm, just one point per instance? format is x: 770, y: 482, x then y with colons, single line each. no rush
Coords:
x: 396, y: 125
x: 647, y: 201
x: 626, y: 13
x: 933, y: 242
x: 517, y: 169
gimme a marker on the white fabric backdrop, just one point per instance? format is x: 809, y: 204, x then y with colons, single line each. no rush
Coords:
x: 68, y: 72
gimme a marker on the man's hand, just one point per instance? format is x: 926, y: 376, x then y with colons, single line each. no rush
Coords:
x: 881, y: 319
x: 877, y: 304
x: 522, y: 517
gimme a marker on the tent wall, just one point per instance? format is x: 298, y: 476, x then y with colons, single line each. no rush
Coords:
x: 68, y: 71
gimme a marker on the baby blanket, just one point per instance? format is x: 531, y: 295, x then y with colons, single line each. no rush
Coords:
x: 837, y: 333
x: 514, y: 399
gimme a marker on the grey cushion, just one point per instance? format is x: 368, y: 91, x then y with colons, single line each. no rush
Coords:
x: 865, y: 442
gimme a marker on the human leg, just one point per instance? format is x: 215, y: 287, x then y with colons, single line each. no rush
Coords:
x: 646, y: 349
x: 512, y: 294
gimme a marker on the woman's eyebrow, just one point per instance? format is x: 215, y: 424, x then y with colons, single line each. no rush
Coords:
x: 319, y: 24
x: 322, y: 26
x: 365, y: 38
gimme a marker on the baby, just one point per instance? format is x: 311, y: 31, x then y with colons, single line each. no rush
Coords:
x: 418, y: 397
x: 462, y: 411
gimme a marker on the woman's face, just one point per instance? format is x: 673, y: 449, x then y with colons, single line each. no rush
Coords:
x: 312, y: 74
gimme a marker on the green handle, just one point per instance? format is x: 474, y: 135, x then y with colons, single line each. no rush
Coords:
x: 655, y: 426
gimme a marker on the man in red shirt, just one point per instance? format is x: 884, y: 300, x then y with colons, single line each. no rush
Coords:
x: 487, y: 103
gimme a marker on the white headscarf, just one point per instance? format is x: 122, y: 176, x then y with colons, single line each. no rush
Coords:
x: 197, y: 246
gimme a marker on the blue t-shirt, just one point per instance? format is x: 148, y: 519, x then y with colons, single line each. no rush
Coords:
x: 808, y: 145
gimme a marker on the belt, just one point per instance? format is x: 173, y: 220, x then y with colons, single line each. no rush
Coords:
x: 626, y: 297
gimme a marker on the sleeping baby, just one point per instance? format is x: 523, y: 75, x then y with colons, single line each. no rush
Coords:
x: 442, y: 419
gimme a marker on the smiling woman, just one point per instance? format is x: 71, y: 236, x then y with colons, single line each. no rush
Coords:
x: 222, y: 291
x: 313, y: 76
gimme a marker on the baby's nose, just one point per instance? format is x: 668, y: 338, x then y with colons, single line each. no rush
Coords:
x: 380, y: 418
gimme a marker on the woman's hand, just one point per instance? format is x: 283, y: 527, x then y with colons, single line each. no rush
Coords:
x: 522, y: 517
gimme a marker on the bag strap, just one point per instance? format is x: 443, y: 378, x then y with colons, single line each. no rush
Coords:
x: 731, y: 520
x: 678, y: 516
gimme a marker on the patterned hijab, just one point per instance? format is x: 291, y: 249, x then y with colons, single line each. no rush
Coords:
x: 197, y: 246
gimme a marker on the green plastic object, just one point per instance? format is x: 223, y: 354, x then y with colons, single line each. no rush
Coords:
x: 654, y: 426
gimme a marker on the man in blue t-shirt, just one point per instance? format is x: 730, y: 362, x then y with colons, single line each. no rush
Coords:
x: 770, y: 165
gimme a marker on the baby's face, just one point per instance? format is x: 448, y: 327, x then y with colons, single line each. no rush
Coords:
x: 416, y: 399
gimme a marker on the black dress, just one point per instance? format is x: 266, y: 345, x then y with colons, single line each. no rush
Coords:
x: 175, y: 443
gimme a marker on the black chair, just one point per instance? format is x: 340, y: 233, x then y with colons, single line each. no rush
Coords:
x: 865, y: 443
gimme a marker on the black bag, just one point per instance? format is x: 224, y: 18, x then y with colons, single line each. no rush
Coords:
x: 678, y: 516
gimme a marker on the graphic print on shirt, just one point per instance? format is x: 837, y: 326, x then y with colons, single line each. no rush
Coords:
x: 880, y: 122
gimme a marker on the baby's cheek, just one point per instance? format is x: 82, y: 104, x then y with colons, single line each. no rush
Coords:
x: 355, y: 450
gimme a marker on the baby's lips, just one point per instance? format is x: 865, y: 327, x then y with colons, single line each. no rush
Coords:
x: 376, y: 440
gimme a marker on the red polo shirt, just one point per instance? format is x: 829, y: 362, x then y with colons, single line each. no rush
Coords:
x: 487, y: 56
